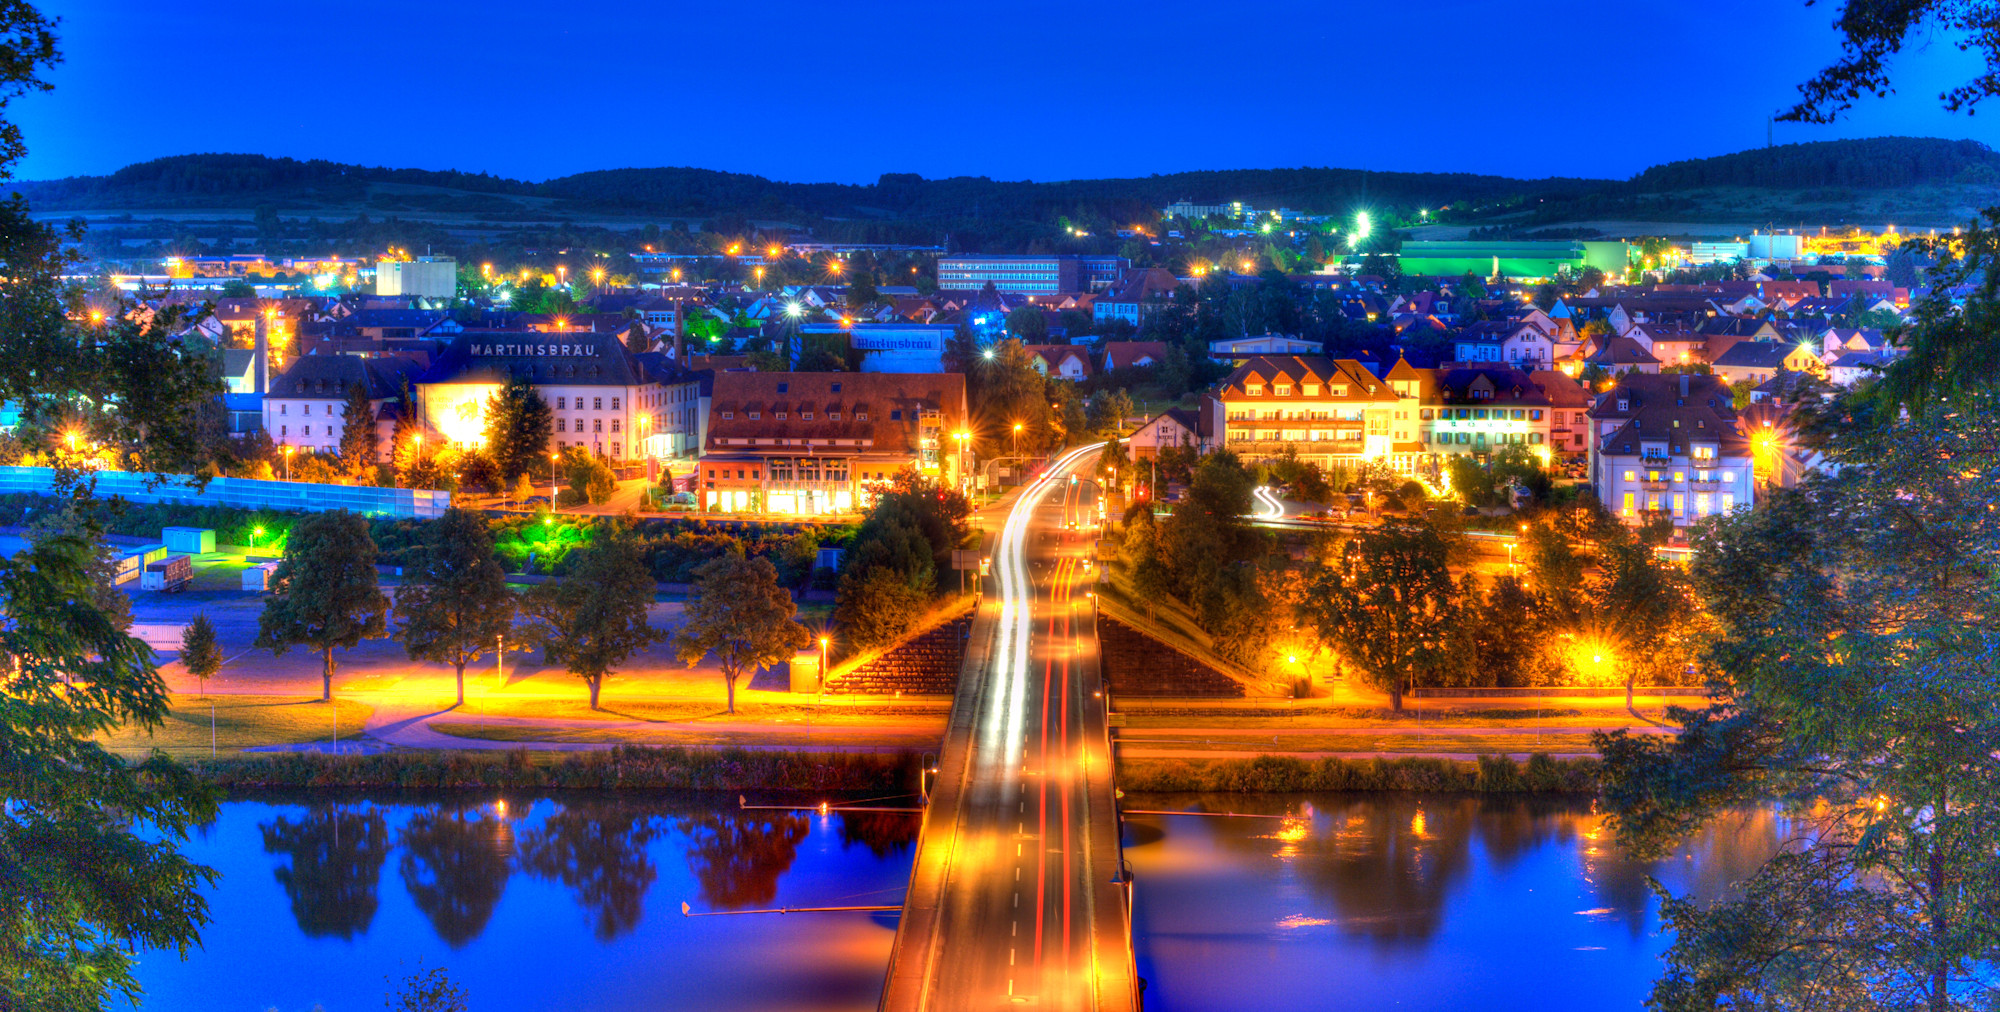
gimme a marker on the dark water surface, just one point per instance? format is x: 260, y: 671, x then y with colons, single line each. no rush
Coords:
x: 1384, y: 901
x: 538, y: 903
x: 535, y: 902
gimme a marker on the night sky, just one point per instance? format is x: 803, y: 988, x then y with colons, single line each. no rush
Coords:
x: 1024, y: 90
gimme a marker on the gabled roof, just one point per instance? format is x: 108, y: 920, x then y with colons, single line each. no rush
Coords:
x: 892, y: 402
x: 1622, y: 351
x: 329, y: 377
x: 544, y: 359
x: 1755, y: 354
x: 1674, y: 410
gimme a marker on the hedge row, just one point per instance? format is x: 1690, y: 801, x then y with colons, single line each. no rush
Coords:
x: 625, y: 767
x: 1274, y: 774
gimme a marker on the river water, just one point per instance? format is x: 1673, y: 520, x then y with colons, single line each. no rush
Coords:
x: 534, y: 902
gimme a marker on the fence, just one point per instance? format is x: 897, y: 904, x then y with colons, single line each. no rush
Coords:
x: 243, y: 493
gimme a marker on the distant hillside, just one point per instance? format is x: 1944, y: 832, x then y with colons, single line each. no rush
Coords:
x: 1874, y: 163
x: 1912, y: 177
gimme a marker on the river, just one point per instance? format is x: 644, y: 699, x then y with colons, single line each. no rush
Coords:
x: 533, y: 902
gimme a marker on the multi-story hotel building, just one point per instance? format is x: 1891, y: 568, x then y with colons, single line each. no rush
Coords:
x: 814, y: 443
x: 1670, y: 446
x: 1334, y: 411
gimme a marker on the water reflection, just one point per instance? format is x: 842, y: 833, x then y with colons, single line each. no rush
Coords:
x: 885, y: 834
x: 456, y: 860
x: 738, y: 856
x: 334, y: 861
x: 499, y: 890
x: 598, y: 849
x: 1369, y: 900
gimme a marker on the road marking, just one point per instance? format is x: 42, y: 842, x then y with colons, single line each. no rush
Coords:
x: 1010, y: 955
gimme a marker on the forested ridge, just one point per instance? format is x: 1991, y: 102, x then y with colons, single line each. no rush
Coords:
x: 209, y: 180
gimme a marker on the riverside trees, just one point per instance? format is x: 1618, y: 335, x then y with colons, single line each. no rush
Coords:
x: 594, y: 619
x: 455, y: 604
x: 737, y: 612
x: 325, y: 595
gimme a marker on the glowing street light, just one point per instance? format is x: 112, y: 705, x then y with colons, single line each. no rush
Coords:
x: 554, y: 459
x: 1017, y: 439
x: 288, y: 461
x: 597, y: 275
x: 794, y: 310
x: 255, y: 533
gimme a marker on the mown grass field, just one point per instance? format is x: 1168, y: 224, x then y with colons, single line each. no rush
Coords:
x: 897, y: 736
x: 240, y: 722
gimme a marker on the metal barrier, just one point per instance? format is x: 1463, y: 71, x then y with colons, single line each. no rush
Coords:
x: 240, y: 493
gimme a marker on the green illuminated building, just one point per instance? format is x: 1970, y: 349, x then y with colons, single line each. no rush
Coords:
x: 1522, y: 259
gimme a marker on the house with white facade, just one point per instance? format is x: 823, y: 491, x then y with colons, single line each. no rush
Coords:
x: 1670, y: 447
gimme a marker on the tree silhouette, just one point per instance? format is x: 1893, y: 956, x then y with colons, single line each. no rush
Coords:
x: 455, y: 865
x: 738, y: 856
x: 336, y: 856
x: 599, y: 851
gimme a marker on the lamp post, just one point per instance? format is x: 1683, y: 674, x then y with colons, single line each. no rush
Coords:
x: 823, y: 641
x: 1017, y: 439
x: 288, y: 462
x: 255, y: 532
x: 554, y: 459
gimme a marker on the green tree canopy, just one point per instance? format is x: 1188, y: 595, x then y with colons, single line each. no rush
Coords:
x: 519, y: 428
x: 595, y: 618
x: 737, y: 613
x: 325, y: 595
x: 454, y: 603
x: 1387, y: 604
x: 360, y: 444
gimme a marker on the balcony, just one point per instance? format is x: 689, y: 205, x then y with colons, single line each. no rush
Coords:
x: 1652, y: 485
x: 1710, y: 485
x: 1655, y: 460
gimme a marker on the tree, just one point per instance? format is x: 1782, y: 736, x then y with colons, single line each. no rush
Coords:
x: 1029, y: 323
x: 326, y: 596
x: 519, y: 428
x: 861, y: 291
x: 199, y: 656
x: 1108, y: 411
x: 455, y: 604
x: 1386, y: 604
x: 1114, y: 465
x: 1853, y: 664
x: 589, y: 479
x: 737, y: 612
x: 593, y: 619
x: 359, y: 442
x: 92, y: 867
x: 76, y: 517
x: 94, y: 870
x: 874, y: 606
x: 335, y: 854
x: 1646, y: 616
x: 1873, y: 32
x: 429, y: 990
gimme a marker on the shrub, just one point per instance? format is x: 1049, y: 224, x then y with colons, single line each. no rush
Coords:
x: 1290, y: 774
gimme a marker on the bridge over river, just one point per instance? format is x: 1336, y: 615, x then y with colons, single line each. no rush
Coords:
x: 1018, y: 896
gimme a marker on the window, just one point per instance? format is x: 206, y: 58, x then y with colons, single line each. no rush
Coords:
x: 1630, y: 476
x: 559, y: 424
x: 1680, y: 502
x: 1535, y: 438
x: 615, y: 451
x: 780, y: 415
x: 1728, y: 501
x: 1681, y: 476
x: 1701, y: 504
x: 836, y: 388
x: 614, y: 426
x: 284, y: 409
x: 895, y: 416
x: 1629, y: 497
x: 1284, y: 391
x: 562, y: 403
x: 308, y: 430
x: 861, y: 416
x: 726, y: 414
x: 614, y: 404
x: 757, y: 415
x: 1479, y: 413
x: 1730, y: 478
x: 597, y: 404
x: 1254, y: 390
x: 833, y: 416
x: 1534, y: 414
x: 597, y: 425
x: 281, y: 431
x: 306, y: 409
x: 784, y: 388
x: 806, y: 416
x: 1518, y: 414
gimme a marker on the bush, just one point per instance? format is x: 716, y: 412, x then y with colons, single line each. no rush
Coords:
x: 625, y: 767
x: 1288, y: 774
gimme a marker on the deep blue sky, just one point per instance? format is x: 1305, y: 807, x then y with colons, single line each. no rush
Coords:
x: 1031, y: 89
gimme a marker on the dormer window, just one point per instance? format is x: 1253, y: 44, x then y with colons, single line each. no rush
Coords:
x: 1284, y: 391
x: 1254, y: 390
x: 1312, y: 390
x: 756, y: 415
x: 806, y: 416
x: 784, y: 388
x: 779, y: 415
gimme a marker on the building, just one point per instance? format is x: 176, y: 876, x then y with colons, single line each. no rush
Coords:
x: 1133, y: 354
x: 306, y: 406
x: 1333, y: 411
x: 1139, y: 296
x: 1477, y: 411
x: 1524, y: 259
x: 425, y: 277
x: 1757, y: 361
x: 1063, y: 361
x: 1569, y: 418
x: 1670, y: 447
x: 1101, y: 271
x: 1170, y: 428
x: 605, y: 399
x: 1241, y: 349
x: 892, y: 347
x: 1028, y: 275
x: 814, y: 443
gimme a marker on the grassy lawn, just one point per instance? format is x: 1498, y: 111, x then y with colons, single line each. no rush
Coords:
x: 240, y: 722
x: 675, y: 734
x: 1389, y: 742
x: 683, y: 711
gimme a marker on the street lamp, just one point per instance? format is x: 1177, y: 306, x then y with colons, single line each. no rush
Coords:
x: 1017, y: 439
x: 288, y: 462
x: 554, y: 459
x: 255, y: 532
x: 823, y: 641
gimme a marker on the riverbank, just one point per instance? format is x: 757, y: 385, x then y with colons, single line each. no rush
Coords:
x: 626, y: 767
x: 1281, y: 774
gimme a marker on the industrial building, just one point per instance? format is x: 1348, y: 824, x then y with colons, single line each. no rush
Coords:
x: 1513, y: 260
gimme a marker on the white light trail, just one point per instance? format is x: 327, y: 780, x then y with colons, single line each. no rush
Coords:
x: 1269, y: 508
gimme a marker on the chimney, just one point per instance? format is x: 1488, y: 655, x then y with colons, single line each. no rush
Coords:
x: 262, y: 367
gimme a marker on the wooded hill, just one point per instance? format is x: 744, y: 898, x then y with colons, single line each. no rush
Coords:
x: 327, y: 188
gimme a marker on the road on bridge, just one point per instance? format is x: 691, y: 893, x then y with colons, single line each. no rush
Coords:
x: 1017, y: 897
